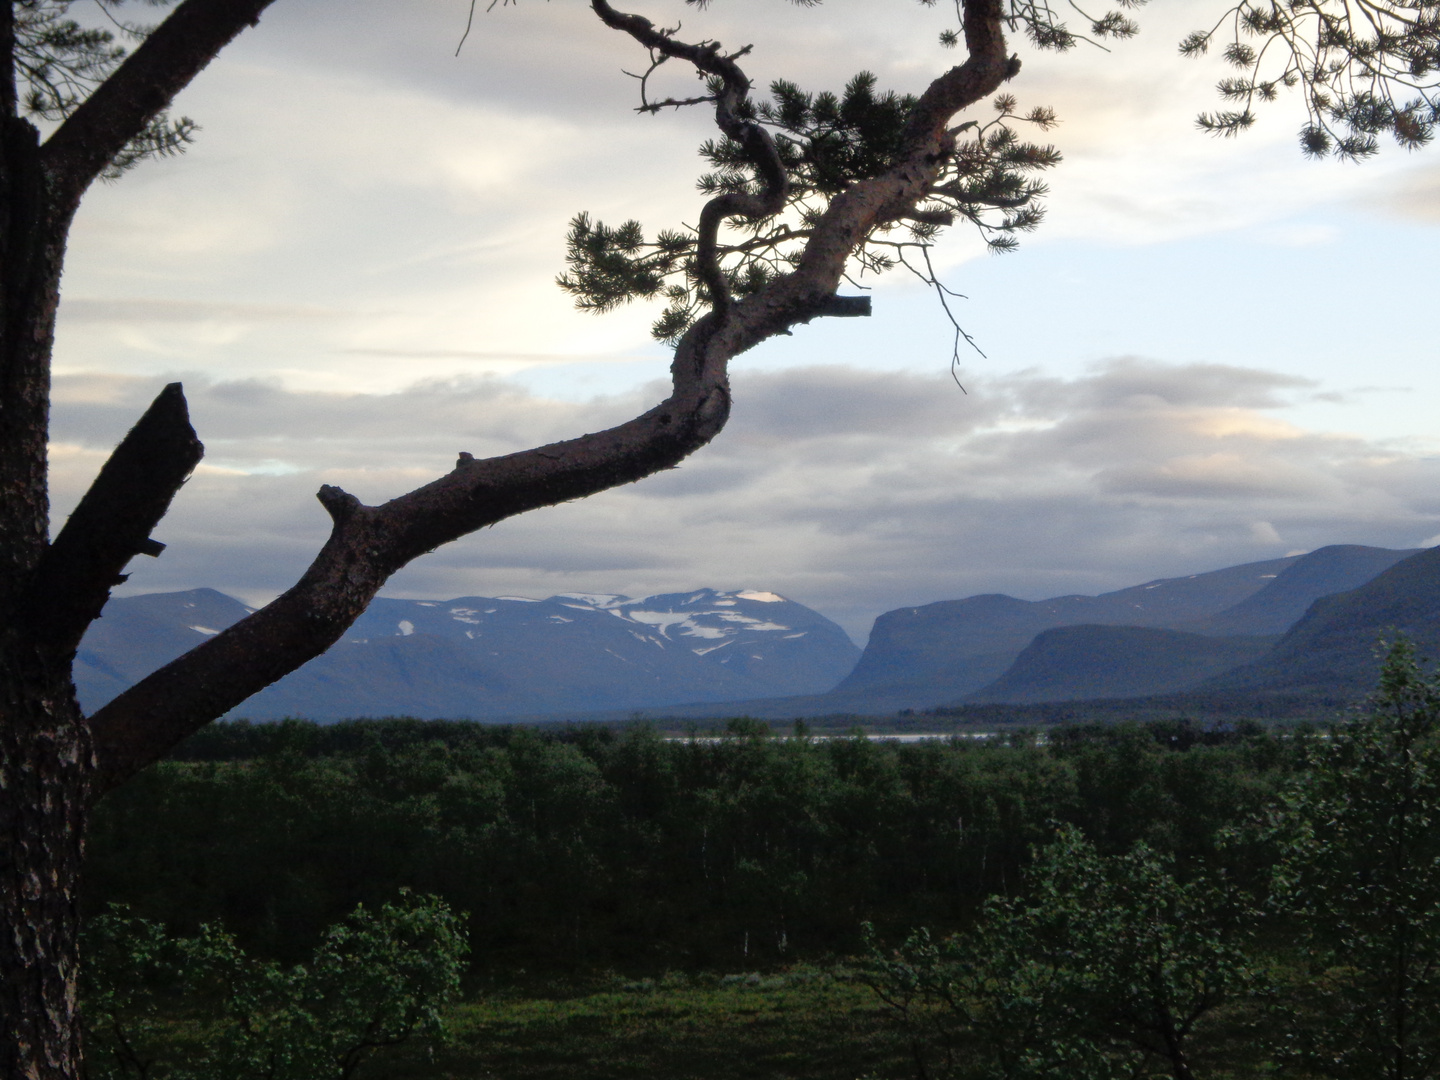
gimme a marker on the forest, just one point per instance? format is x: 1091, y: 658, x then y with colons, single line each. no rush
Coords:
x: 590, y: 847
x: 1164, y: 898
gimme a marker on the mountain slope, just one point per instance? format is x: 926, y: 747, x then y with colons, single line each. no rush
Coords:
x: 137, y: 634
x: 1281, y: 603
x: 1331, y: 649
x: 1072, y: 663
x: 1095, y: 661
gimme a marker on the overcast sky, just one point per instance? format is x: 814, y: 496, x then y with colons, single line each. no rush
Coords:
x: 1211, y: 352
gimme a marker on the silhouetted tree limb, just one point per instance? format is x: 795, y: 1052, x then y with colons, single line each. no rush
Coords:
x: 370, y: 543
x: 112, y: 108
x: 1361, y: 67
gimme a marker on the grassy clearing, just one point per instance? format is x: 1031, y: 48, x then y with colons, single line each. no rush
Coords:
x: 799, y: 1023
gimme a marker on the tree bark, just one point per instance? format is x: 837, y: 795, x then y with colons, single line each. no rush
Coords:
x: 46, y: 761
x: 46, y: 765
x: 32, y: 250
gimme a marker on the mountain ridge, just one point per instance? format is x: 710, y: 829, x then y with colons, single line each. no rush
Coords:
x: 1087, y: 662
x: 486, y: 657
x: 941, y: 653
x: 706, y: 652
x: 1333, y: 648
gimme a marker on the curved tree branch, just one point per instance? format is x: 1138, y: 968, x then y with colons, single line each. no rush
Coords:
x: 369, y: 543
x: 758, y: 145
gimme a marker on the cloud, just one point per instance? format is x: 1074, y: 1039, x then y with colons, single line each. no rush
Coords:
x: 850, y: 490
x: 187, y: 311
x: 350, y: 164
x: 359, y: 253
x: 1414, y: 195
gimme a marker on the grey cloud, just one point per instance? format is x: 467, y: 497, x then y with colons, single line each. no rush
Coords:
x: 486, y: 354
x: 1216, y: 476
x: 853, y: 492
x: 255, y: 420
x: 706, y: 476
x: 832, y: 401
x: 183, y: 311
x: 1130, y: 381
x: 1198, y: 384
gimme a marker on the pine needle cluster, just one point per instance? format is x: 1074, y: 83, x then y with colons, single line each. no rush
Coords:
x: 1364, y: 69
x: 59, y: 62
x: 827, y: 142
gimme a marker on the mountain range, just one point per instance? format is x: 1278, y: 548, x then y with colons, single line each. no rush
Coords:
x: 1161, y: 637
x: 1302, y: 625
x: 488, y: 657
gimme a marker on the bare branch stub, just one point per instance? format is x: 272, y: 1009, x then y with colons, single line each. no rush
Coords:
x: 369, y: 543
x: 112, y: 523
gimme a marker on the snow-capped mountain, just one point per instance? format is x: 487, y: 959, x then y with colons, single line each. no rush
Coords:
x: 497, y: 656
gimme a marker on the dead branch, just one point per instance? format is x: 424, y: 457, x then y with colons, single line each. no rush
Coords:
x: 113, y: 522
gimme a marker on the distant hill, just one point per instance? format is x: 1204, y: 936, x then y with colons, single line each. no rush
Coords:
x: 942, y: 652
x: 489, y: 657
x: 1076, y: 663
x: 946, y: 652
x: 1331, y: 650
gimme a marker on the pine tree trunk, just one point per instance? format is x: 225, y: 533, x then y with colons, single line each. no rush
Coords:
x: 46, y: 759
x: 45, y: 765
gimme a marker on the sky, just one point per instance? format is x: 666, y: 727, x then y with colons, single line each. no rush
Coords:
x: 1211, y: 352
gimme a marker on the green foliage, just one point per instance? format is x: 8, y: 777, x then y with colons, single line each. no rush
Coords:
x: 1111, y: 965
x: 375, y: 980
x: 59, y: 62
x: 131, y: 968
x: 1358, y: 836
x: 1103, y: 970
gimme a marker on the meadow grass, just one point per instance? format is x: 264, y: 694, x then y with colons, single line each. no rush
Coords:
x: 798, y: 1023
